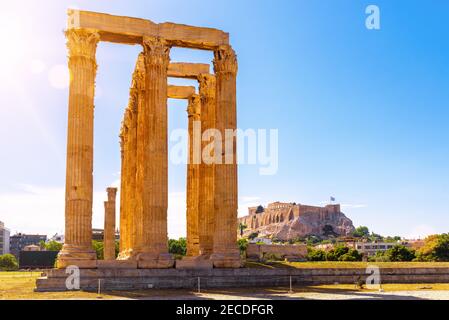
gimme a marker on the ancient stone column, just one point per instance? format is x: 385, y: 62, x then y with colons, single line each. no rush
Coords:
x: 207, y: 87
x: 225, y: 252
x: 152, y: 159
x: 77, y: 249
x: 124, y: 185
x: 128, y: 176
x: 109, y: 225
x: 193, y: 176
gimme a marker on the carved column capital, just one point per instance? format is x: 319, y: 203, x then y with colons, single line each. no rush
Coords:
x: 194, y: 107
x: 207, y: 83
x: 225, y: 60
x: 82, y: 43
x: 156, y: 52
x: 112, y: 193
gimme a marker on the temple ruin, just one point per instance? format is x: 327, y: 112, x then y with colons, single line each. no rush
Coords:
x: 211, y: 187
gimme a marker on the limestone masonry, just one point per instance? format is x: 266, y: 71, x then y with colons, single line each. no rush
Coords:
x: 286, y: 221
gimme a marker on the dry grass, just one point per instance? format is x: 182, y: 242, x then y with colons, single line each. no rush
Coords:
x: 20, y: 285
x: 341, y: 264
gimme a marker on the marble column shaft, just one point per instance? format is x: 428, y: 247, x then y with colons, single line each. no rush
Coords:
x: 193, y: 177
x: 207, y: 87
x: 152, y: 157
x: 109, y: 225
x: 77, y: 249
x: 225, y: 252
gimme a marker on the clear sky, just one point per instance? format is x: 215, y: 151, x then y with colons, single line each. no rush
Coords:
x: 362, y: 114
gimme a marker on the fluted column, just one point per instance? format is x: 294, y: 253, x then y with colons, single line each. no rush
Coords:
x: 77, y: 249
x: 109, y: 225
x: 124, y: 185
x: 152, y: 158
x: 128, y: 176
x: 207, y: 87
x: 225, y: 252
x: 193, y: 178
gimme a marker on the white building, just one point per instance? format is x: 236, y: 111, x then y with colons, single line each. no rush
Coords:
x: 4, y: 239
x: 370, y: 248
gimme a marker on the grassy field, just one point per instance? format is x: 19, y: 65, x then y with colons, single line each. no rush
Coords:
x: 340, y: 264
x: 20, y: 285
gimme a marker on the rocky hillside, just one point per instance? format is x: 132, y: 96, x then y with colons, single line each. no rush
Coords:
x: 332, y: 223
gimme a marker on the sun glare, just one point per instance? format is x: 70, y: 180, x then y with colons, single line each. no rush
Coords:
x: 13, y: 50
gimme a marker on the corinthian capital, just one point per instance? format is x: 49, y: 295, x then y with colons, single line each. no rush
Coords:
x: 207, y: 85
x: 225, y: 60
x: 82, y: 43
x: 194, y: 108
x: 156, y: 51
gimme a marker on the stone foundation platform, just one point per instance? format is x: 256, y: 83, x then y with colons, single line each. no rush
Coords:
x: 138, y: 279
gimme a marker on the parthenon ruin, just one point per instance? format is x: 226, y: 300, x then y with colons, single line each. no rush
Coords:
x: 211, y: 186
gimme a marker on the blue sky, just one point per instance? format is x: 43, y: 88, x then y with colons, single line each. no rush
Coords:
x: 362, y: 114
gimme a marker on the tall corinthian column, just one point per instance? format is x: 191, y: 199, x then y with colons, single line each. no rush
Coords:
x: 128, y: 176
x: 207, y: 168
x: 225, y: 252
x: 193, y: 178
x: 77, y: 249
x: 152, y: 158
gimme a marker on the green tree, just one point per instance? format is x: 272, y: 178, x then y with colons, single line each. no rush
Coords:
x: 361, y: 232
x: 400, y: 253
x: 315, y: 254
x: 52, y: 246
x: 351, y: 255
x: 177, y: 247
x: 436, y: 248
x: 99, y: 249
x: 8, y: 263
x: 243, y: 244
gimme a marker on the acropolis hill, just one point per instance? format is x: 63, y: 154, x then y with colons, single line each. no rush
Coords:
x: 286, y: 221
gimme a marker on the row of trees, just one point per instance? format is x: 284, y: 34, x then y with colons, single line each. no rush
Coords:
x: 339, y: 253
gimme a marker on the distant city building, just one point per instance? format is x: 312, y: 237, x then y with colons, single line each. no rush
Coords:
x: 20, y: 240
x: 98, y: 235
x: 57, y: 238
x: 370, y: 248
x: 4, y: 239
x: 32, y: 247
x: 261, y: 240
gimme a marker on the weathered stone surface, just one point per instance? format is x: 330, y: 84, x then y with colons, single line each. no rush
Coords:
x: 133, y: 30
x: 133, y: 279
x: 187, y: 70
x: 194, y: 263
x: 152, y: 159
x: 193, y: 179
x: 77, y: 248
x: 286, y: 221
x: 117, y: 264
x: 225, y: 251
x: 206, y: 201
x: 180, y: 92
